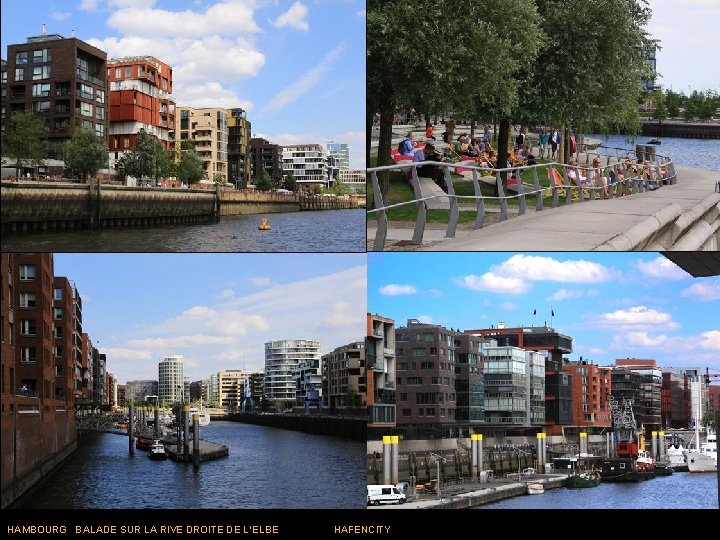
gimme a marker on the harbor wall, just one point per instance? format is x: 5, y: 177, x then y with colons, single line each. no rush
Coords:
x: 685, y: 130
x: 33, y: 445
x: 348, y: 428
x: 30, y: 206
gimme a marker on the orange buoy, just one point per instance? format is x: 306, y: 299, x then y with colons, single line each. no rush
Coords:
x: 264, y: 226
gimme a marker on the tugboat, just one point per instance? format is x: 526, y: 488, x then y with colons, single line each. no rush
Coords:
x: 157, y: 451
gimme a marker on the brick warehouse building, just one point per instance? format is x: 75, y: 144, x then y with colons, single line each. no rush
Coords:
x: 38, y: 417
x: 62, y: 80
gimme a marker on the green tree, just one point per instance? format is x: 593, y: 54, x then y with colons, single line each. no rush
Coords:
x: 265, y: 182
x: 24, y: 139
x: 86, y: 153
x: 289, y: 181
x: 190, y: 168
x: 218, y: 178
x: 584, y: 78
x: 661, y: 111
x: 149, y: 158
x: 672, y: 102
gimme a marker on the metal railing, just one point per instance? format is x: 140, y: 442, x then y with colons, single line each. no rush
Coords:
x: 620, y: 180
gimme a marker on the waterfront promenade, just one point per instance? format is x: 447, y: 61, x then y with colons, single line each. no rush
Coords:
x: 682, y: 216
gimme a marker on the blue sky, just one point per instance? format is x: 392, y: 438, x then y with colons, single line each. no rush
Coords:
x: 297, y: 67
x: 614, y: 305
x: 687, y: 30
x: 217, y: 310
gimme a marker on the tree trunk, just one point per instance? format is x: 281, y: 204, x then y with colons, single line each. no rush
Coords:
x: 369, y: 116
x: 502, y: 150
x: 384, y: 146
x: 472, y: 130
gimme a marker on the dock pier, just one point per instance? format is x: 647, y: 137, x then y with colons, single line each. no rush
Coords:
x: 207, y: 451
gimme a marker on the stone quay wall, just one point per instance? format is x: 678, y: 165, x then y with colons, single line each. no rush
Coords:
x: 29, y: 206
x: 349, y: 428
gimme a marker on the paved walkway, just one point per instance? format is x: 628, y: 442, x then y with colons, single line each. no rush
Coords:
x: 579, y: 226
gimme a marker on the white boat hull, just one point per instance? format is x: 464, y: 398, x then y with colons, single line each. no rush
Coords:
x: 697, y: 462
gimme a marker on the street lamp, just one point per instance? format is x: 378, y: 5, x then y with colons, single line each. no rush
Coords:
x: 436, y: 458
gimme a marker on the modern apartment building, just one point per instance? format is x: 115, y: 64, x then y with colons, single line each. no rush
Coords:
x: 208, y: 129
x: 281, y: 359
x: 647, y: 397
x: 514, y: 387
x: 308, y: 382
x: 231, y: 385
x: 344, y: 376
x: 308, y: 164
x: 591, y: 385
x: 265, y: 156
x: 139, y: 390
x: 63, y: 80
x: 341, y: 153
x: 558, y: 390
x: 380, y: 369
x: 139, y: 98
x: 355, y: 179
x: 67, y: 349
x: 171, y: 381
x: 238, y: 148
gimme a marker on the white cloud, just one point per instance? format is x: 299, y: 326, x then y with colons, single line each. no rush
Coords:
x: 228, y: 293
x: 564, y: 294
x: 493, y: 283
x: 88, y: 5
x: 341, y: 314
x: 643, y: 339
x: 661, y: 268
x: 515, y: 275
x: 425, y: 319
x: 208, y: 94
x: 303, y: 84
x: 180, y: 342
x: 124, y: 353
x: 638, y: 315
x: 261, y: 281
x: 60, y: 15
x: 538, y: 268
x: 703, y: 290
x: 710, y: 340
x: 394, y: 289
x: 295, y: 17
x: 228, y: 17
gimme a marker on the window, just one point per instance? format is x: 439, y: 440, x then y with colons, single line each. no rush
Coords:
x: 118, y: 72
x: 28, y: 300
x: 85, y: 90
x: 128, y: 72
x: 424, y: 337
x: 58, y: 312
x: 28, y: 327
x: 41, y: 90
x: 403, y: 396
x: 100, y: 113
x: 41, y: 107
x: 99, y: 130
x: 58, y: 351
x: 420, y: 352
x: 100, y: 95
x: 427, y: 365
x: 430, y: 411
x: 27, y: 272
x: 57, y: 294
x: 59, y: 333
x: 86, y: 109
x: 126, y: 142
x: 21, y: 58
x: 433, y: 350
x: 41, y: 56
x: 19, y: 74
x: 27, y: 355
x: 407, y: 412
x: 41, y: 72
x: 414, y: 380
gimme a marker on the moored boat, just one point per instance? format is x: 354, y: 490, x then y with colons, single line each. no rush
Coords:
x: 143, y: 443
x: 623, y: 469
x: 535, y: 488
x: 157, y: 451
x: 582, y: 480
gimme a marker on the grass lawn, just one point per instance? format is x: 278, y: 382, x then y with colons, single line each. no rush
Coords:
x: 401, y: 191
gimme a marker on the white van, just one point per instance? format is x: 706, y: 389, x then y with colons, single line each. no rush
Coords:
x: 378, y: 494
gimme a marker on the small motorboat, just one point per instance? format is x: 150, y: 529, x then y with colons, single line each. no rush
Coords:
x: 264, y: 225
x: 157, y: 451
x: 143, y: 443
x: 535, y: 488
x: 653, y: 141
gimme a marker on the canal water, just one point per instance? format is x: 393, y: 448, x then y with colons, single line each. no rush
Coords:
x: 314, y: 231
x: 680, y: 490
x: 699, y: 153
x: 266, y: 468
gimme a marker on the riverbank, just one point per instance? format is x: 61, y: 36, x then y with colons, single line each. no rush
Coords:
x: 337, y: 426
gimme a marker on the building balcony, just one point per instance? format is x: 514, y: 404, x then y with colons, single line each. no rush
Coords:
x: 389, y: 352
x: 381, y: 414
